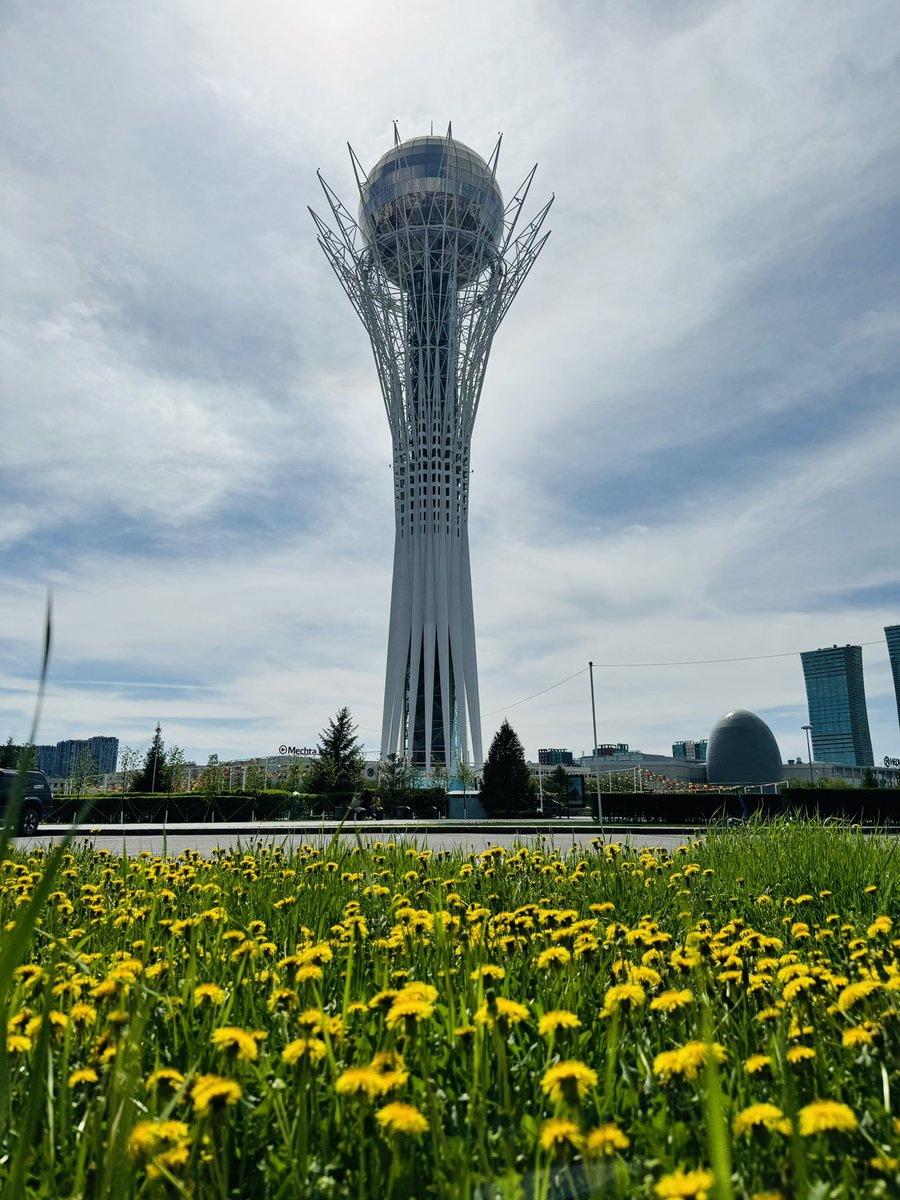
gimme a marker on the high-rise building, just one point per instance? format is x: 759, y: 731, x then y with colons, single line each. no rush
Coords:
x: 431, y: 266
x: 58, y: 761
x: 556, y: 758
x: 695, y: 751
x: 836, y: 696
x: 892, y: 633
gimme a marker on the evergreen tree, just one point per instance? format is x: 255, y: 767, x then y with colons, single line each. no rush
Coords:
x: 506, y: 784
x: 154, y: 776
x: 340, y: 763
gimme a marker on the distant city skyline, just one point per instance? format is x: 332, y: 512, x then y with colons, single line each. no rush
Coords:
x: 690, y: 450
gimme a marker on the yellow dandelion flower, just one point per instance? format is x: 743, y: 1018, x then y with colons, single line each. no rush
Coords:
x: 408, y: 1007
x: 553, y: 1022
x: 622, y: 995
x: 83, y: 1014
x: 502, y: 1012
x: 854, y: 992
x: 18, y: 1043
x: 559, y: 1135
x: 83, y: 1077
x: 311, y: 1049
x: 685, y: 1185
x: 823, y: 1116
x: 760, y: 1116
x: 605, y: 1140
x: 798, y: 1054
x: 169, y: 1161
x: 165, y: 1076
x: 880, y: 925
x: 570, y: 1081
x: 209, y: 992
x: 237, y: 1042
x: 403, y: 1119
x: 687, y: 1060
x: 671, y: 1000
x: 884, y: 1162
x: 214, y: 1092
x: 553, y: 956
x: 859, y: 1035
x: 757, y: 1062
x: 488, y: 971
x: 309, y: 973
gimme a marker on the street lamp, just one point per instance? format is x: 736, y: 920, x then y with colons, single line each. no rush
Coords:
x: 809, y: 751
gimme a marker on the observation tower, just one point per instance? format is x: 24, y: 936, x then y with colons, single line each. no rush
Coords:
x: 431, y: 264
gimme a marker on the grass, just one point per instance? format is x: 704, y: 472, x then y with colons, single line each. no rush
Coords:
x: 379, y: 1021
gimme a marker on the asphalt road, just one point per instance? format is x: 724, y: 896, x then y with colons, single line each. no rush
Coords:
x: 173, y: 841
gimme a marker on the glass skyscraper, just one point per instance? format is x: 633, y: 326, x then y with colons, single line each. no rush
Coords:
x: 836, y: 695
x: 892, y: 633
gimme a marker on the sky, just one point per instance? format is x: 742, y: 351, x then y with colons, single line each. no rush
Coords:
x: 688, y: 441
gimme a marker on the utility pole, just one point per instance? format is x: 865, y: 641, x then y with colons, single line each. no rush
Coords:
x: 596, y: 756
x: 809, y: 752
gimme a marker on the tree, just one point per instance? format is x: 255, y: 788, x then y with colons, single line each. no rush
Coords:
x: 153, y: 777
x: 340, y: 765
x: 9, y: 754
x: 506, y: 784
x: 466, y: 776
x: 128, y: 761
x: 869, y: 778
x: 256, y: 778
x: 84, y: 771
x: 212, y: 778
x: 175, y: 769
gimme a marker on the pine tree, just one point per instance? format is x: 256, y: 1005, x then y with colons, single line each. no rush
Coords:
x: 340, y: 764
x: 154, y: 776
x: 506, y: 784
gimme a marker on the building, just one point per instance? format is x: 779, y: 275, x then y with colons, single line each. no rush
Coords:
x: 892, y: 633
x: 555, y: 758
x: 694, y: 751
x: 836, y: 696
x: 58, y: 761
x: 431, y: 267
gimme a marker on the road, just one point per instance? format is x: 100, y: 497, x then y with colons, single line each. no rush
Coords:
x: 173, y: 841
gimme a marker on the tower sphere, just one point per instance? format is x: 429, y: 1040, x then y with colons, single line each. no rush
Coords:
x: 432, y: 204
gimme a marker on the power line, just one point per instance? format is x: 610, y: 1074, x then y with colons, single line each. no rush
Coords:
x: 687, y: 662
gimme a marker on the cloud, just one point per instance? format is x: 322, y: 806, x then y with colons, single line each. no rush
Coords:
x: 687, y: 442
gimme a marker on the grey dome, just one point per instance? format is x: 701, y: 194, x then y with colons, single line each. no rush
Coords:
x: 742, y: 749
x: 432, y: 203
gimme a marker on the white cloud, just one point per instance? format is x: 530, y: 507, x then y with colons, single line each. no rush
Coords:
x: 687, y: 444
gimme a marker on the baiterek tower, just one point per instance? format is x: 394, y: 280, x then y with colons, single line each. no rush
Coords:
x: 431, y: 265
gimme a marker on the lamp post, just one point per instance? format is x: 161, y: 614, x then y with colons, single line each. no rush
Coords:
x: 809, y: 752
x: 596, y: 756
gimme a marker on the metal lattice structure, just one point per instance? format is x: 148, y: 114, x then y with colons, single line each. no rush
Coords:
x: 431, y: 266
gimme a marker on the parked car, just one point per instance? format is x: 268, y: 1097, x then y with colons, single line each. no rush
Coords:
x: 37, y: 799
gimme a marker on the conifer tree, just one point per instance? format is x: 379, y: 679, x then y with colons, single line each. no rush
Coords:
x: 340, y: 764
x: 153, y: 776
x: 506, y: 784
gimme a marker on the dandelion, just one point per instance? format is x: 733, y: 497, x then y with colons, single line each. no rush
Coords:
x: 570, y: 1081
x: 165, y: 1076
x: 211, y: 993
x: 403, y: 1119
x: 238, y: 1042
x: 311, y: 1049
x: 622, y: 995
x: 488, y: 971
x: 83, y: 1014
x: 148, y: 1137
x: 214, y: 1092
x: 605, y: 1140
x: 859, y: 1035
x: 553, y: 956
x: 559, y: 1135
x: 553, y: 1022
x: 671, y: 1000
x: 854, y: 992
x: 823, y: 1116
x: 685, y: 1185
x: 798, y: 1054
x: 761, y: 1116
x: 503, y: 1011
x: 18, y: 1043
x: 83, y: 1077
x: 687, y: 1060
x: 411, y: 1008
x: 757, y: 1062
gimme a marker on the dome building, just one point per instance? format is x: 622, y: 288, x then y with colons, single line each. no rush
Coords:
x: 742, y: 750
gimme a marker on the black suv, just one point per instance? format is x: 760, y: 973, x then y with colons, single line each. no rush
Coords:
x: 36, y: 798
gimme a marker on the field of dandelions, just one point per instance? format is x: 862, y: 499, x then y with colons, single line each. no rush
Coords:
x: 377, y: 1021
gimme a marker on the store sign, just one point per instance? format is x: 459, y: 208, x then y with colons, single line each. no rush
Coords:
x: 891, y: 762
x: 304, y: 751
